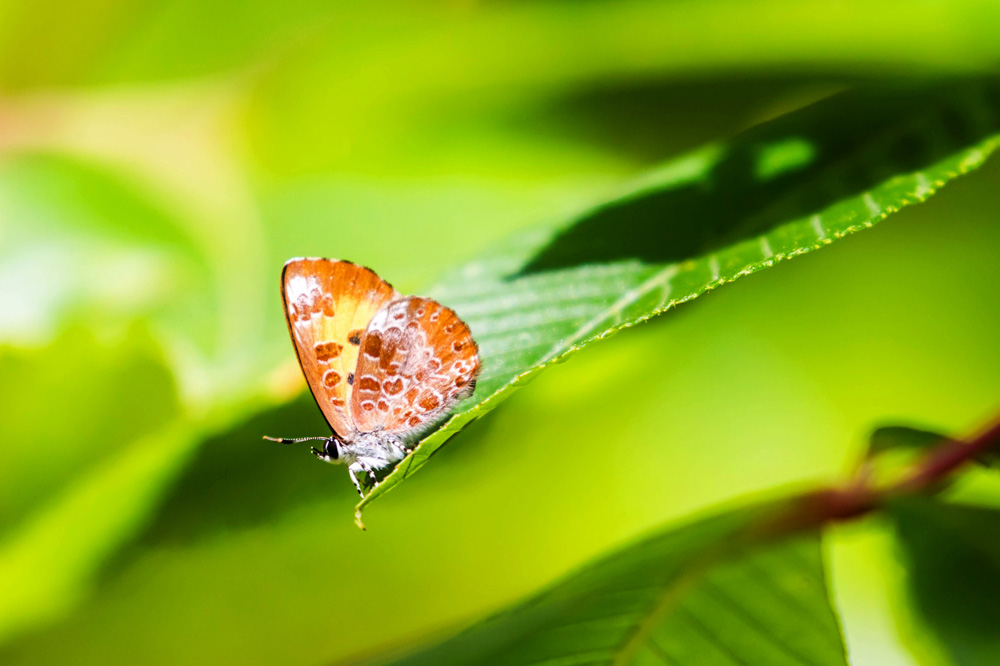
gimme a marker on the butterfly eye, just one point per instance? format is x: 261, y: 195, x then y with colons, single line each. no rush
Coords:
x: 331, y: 450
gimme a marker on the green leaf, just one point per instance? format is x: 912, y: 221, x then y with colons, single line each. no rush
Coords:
x: 890, y: 438
x: 704, y: 593
x: 954, y: 574
x: 893, y: 451
x: 565, y: 48
x: 130, y: 326
x: 99, y: 435
x: 903, y: 438
x: 48, y: 562
x: 87, y: 244
x: 62, y: 433
x: 556, y: 40
x: 781, y: 189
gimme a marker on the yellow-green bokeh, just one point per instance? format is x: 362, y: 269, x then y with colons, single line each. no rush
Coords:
x: 159, y: 162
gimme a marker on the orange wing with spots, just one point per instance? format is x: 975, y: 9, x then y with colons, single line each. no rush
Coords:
x: 328, y: 306
x: 417, y: 360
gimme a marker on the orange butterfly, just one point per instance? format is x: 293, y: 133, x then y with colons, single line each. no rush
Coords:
x: 382, y: 367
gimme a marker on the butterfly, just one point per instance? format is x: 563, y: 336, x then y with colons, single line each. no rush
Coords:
x: 383, y: 368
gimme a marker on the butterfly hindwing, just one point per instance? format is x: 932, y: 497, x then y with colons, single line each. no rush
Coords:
x: 328, y: 306
x: 417, y: 360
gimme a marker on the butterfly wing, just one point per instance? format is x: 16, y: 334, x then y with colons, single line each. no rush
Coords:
x: 328, y: 306
x: 417, y: 360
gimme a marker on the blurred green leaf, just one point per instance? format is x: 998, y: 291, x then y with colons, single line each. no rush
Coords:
x: 116, y: 41
x: 119, y: 306
x: 77, y: 406
x: 100, y: 436
x: 902, y: 438
x: 779, y: 190
x: 48, y: 562
x: 890, y: 438
x: 704, y: 593
x: 954, y: 574
x: 443, y: 66
x: 84, y: 241
x: 97, y: 438
x: 893, y: 451
x: 91, y: 243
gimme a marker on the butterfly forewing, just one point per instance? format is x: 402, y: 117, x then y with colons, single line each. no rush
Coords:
x: 417, y: 360
x: 328, y: 305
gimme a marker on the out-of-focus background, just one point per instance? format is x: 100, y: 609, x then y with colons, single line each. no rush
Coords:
x: 159, y: 161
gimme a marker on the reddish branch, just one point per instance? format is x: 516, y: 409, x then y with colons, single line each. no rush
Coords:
x: 940, y: 462
x: 861, y: 496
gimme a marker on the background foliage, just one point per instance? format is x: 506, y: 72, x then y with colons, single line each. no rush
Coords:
x: 159, y: 161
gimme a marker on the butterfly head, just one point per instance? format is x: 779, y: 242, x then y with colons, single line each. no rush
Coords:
x: 332, y: 451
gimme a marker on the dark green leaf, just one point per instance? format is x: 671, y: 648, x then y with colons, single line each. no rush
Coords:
x: 954, y: 574
x: 889, y: 438
x: 903, y: 438
x: 700, y: 594
x: 779, y: 190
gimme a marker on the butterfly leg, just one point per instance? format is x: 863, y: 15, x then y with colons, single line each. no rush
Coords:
x: 367, y: 469
x: 354, y: 469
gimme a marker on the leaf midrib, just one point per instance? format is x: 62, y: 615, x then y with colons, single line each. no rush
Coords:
x: 663, y: 603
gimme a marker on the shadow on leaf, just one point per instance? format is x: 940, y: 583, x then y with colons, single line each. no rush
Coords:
x: 792, y: 167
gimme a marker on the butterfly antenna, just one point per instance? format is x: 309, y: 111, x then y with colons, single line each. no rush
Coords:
x: 286, y: 440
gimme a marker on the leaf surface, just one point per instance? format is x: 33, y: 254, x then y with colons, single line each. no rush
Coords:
x: 954, y: 574
x: 912, y: 441
x: 119, y: 306
x: 704, y: 593
x: 889, y: 438
x: 784, y: 188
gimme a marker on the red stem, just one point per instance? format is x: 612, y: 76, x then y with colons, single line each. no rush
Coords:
x: 860, y: 497
x: 942, y: 461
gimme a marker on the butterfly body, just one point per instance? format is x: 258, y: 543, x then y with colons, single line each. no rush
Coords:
x: 383, y: 368
x: 366, y: 453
